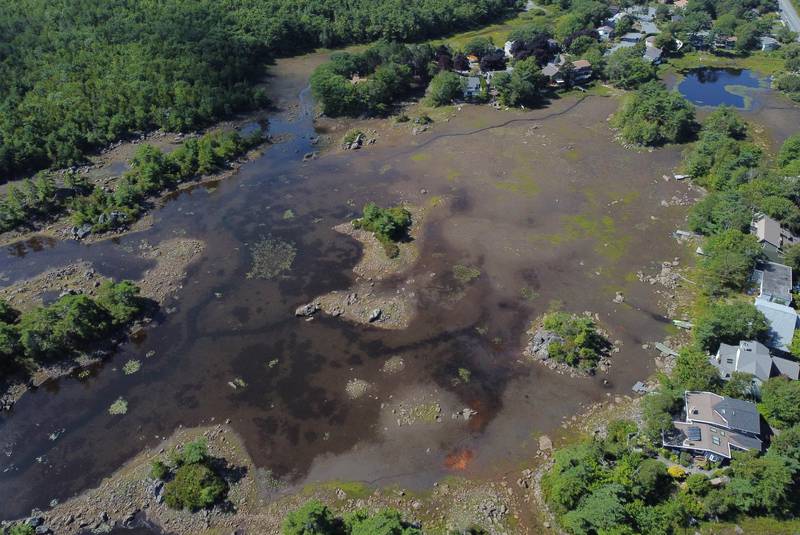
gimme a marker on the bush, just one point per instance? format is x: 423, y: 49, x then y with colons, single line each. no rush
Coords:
x: 444, y: 88
x: 194, y: 487
x: 523, y: 86
x: 654, y: 116
x: 389, y: 225
x: 676, y: 472
x: 158, y: 470
x: 121, y: 300
x: 582, y: 345
x: 313, y: 518
x: 21, y: 529
x: 386, y: 522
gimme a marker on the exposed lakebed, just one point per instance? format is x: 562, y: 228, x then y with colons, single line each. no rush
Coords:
x: 544, y: 205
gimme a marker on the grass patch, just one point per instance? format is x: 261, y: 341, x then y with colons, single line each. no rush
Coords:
x: 288, y: 214
x: 766, y: 63
x: 118, y: 408
x: 772, y: 526
x: 420, y: 157
x: 353, y: 489
x: 465, y: 274
x: 425, y: 412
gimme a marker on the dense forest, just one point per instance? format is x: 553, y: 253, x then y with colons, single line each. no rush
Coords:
x: 77, y: 74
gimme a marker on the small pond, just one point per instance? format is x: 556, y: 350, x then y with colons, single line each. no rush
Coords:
x: 717, y: 87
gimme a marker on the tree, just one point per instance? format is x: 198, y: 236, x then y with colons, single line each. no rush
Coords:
x: 121, y: 300
x: 599, y: 511
x: 780, y: 401
x: 693, y: 371
x: 479, y: 46
x: 444, y: 88
x: 729, y: 323
x: 730, y: 257
x: 761, y: 484
x: 651, y: 482
x: 493, y: 61
x: 720, y: 211
x: 627, y: 69
x: 787, y: 443
x: 385, y: 522
x: 654, y: 116
x: 740, y: 385
x: 569, y: 24
x: 724, y: 120
x: 657, y: 412
x: 522, y: 86
x: 313, y: 518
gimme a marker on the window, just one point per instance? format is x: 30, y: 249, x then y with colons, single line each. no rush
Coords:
x: 715, y: 441
x: 729, y: 361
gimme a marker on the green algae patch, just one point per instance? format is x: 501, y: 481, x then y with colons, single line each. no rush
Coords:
x: 520, y: 182
x: 420, y: 157
x: 465, y: 274
x: 353, y: 489
x: 270, y: 257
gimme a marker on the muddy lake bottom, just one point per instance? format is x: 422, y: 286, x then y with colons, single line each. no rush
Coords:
x: 544, y: 203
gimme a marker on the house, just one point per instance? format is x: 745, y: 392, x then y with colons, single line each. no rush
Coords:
x: 700, y: 40
x: 632, y: 37
x: 507, y: 49
x: 472, y: 87
x: 782, y: 321
x: 582, y: 70
x: 652, y: 54
x: 715, y: 426
x: 605, y: 32
x: 648, y: 28
x: 774, y: 239
x: 769, y: 43
x: 725, y: 42
x: 774, y: 282
x: 754, y: 358
x: 553, y: 73
x: 474, y: 61
x: 617, y: 46
x: 650, y: 41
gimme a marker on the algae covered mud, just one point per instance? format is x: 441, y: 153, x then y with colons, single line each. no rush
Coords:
x: 524, y: 212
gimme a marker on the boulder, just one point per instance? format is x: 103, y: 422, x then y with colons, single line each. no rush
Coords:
x: 540, y: 343
x: 375, y: 315
x: 306, y: 310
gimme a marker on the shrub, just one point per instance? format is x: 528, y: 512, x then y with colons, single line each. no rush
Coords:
x: 21, y: 529
x: 389, y: 225
x: 676, y: 472
x: 780, y: 401
x: 194, y: 487
x: 730, y: 257
x: 444, y: 88
x: 121, y: 300
x: 627, y: 69
x: 313, y: 518
x: 582, y: 345
x: 158, y: 470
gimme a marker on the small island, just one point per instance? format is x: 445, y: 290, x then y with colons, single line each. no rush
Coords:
x: 568, y: 343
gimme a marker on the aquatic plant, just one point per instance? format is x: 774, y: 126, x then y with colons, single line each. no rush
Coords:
x: 356, y: 388
x: 270, y: 257
x: 132, y: 366
x: 119, y: 407
x: 465, y: 274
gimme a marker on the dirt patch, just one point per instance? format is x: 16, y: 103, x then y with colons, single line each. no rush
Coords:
x: 384, y: 306
x: 172, y: 258
x: 28, y: 294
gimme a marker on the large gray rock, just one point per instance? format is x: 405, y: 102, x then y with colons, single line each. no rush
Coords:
x: 539, y: 344
x: 306, y: 310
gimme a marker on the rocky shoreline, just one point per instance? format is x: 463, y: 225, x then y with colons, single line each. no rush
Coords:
x: 382, y: 305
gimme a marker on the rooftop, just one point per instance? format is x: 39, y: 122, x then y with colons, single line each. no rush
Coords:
x: 581, y: 64
x: 782, y: 320
x: 722, y: 411
x: 775, y: 281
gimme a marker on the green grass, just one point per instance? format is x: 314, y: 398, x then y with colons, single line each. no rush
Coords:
x: 752, y: 525
x: 766, y: 63
x: 353, y: 489
x: 498, y: 32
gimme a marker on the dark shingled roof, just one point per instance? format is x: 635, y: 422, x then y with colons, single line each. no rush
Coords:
x: 741, y: 415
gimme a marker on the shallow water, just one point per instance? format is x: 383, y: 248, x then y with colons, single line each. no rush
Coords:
x: 716, y: 87
x: 544, y: 203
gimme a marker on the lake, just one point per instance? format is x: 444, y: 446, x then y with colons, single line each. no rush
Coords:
x: 718, y: 87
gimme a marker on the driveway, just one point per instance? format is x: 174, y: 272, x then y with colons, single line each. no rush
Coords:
x: 790, y: 15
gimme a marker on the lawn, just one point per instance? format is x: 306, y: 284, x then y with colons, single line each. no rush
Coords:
x: 766, y: 63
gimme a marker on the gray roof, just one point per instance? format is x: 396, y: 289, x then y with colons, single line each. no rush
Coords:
x: 775, y: 280
x: 649, y: 27
x: 782, y: 320
x: 632, y: 37
x: 748, y: 357
x: 740, y: 415
x: 789, y: 368
x: 768, y: 230
x: 766, y: 40
x: 652, y: 53
x: 550, y: 70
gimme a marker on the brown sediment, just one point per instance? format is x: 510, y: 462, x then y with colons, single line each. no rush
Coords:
x: 360, y: 302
